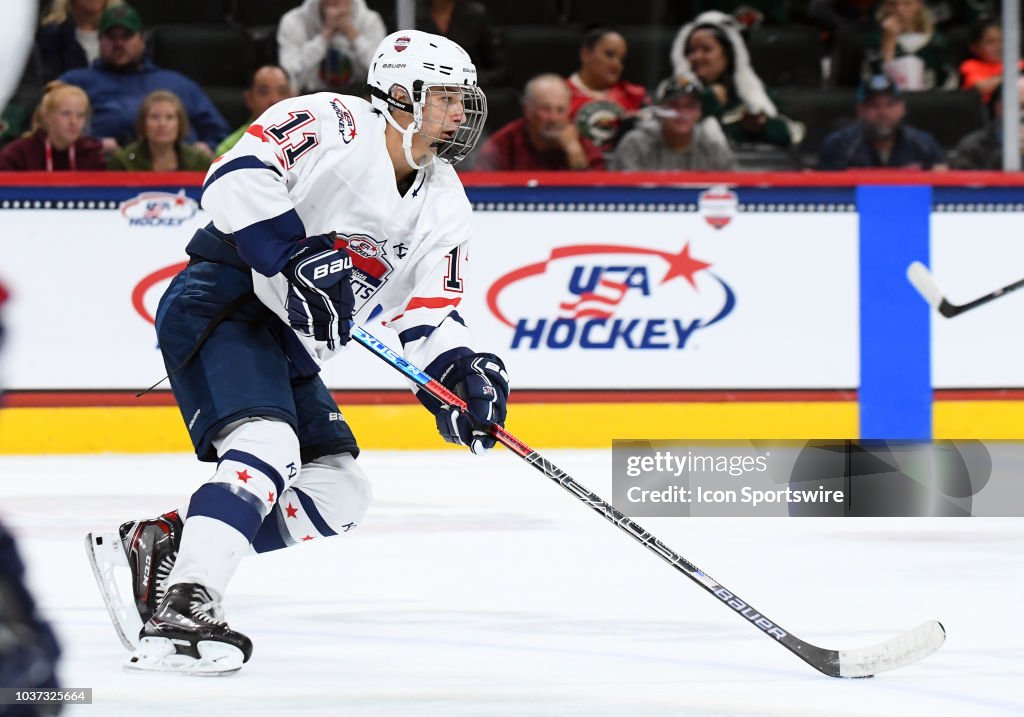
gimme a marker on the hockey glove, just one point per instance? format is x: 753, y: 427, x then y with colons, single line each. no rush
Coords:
x: 479, y: 380
x: 320, y: 299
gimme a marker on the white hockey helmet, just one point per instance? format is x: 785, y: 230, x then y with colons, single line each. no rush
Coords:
x: 421, y: 64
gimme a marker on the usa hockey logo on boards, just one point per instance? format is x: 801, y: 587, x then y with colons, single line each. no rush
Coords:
x: 718, y: 205
x: 604, y: 296
x: 159, y: 209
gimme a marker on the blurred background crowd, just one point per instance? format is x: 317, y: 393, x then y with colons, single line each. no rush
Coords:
x: 590, y: 85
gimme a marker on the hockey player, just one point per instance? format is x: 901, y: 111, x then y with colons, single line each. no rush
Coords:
x: 329, y: 209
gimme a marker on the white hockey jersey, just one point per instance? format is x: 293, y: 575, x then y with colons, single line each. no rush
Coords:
x: 318, y: 163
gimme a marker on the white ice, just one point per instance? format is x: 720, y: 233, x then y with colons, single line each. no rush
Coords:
x: 477, y: 587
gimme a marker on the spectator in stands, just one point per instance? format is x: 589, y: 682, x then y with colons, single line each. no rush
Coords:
x: 327, y: 44
x: 711, y: 52
x: 55, y: 142
x: 983, y: 148
x: 466, y: 23
x: 161, y: 125
x: 69, y: 36
x: 677, y: 139
x: 121, y: 78
x: 983, y: 70
x: 544, y: 138
x: 907, y: 47
x: 604, y: 106
x: 880, y: 138
x: 267, y: 86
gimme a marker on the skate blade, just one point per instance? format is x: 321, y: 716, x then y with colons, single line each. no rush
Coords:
x: 105, y: 553
x: 159, y: 654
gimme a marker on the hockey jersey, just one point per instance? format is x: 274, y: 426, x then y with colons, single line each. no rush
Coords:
x: 319, y: 163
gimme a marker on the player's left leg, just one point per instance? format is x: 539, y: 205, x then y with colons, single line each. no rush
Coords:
x: 331, y: 493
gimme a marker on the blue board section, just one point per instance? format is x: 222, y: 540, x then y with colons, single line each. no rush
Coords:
x: 895, y: 358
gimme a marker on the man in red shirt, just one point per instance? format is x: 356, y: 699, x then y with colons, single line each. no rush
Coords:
x: 544, y: 139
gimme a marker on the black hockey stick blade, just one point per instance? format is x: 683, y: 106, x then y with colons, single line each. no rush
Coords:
x: 927, y: 287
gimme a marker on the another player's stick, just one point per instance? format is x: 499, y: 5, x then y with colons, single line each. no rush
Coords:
x: 899, y: 651
x: 926, y: 285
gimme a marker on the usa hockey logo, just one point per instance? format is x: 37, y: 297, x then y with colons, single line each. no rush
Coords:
x: 370, y: 264
x: 346, y: 122
x: 401, y: 43
x: 718, y: 206
x: 599, y: 296
x: 159, y: 209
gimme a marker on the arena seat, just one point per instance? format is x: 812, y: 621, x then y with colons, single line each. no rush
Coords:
x: 208, y: 54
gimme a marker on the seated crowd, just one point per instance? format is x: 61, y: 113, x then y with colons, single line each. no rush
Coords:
x: 103, y: 103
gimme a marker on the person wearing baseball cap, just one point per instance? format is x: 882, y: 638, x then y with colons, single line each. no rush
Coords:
x: 880, y: 138
x: 677, y: 138
x: 122, y: 77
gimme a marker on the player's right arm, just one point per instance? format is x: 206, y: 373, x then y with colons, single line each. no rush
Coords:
x: 246, y: 193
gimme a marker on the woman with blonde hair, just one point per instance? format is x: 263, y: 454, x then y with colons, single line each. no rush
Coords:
x: 907, y: 47
x: 55, y: 143
x: 69, y: 35
x: 161, y: 126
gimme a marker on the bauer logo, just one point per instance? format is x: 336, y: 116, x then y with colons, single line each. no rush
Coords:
x: 718, y: 205
x: 600, y: 296
x: 159, y: 209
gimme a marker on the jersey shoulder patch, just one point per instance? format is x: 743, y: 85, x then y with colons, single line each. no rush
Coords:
x: 347, y: 125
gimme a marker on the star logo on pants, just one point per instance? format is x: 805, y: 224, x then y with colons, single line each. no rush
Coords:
x: 292, y: 511
x: 243, y: 476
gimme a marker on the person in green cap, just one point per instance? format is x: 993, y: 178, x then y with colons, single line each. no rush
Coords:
x: 119, y: 80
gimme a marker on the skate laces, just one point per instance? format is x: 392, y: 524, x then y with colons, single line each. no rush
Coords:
x: 163, y: 571
x: 204, y: 607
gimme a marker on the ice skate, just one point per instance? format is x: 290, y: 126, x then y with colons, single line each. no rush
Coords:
x: 148, y: 548
x: 188, y: 635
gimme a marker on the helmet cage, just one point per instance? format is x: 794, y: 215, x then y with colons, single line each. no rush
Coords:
x: 474, y: 108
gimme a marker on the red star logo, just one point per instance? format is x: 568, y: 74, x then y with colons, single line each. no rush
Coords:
x: 292, y: 512
x: 308, y: 537
x: 684, y: 265
x: 270, y: 497
x: 180, y: 201
x: 352, y: 134
x: 244, y: 476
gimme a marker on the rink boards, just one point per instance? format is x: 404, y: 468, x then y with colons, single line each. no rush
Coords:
x: 695, y: 310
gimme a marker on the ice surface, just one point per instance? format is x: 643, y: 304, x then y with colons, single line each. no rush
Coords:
x: 476, y: 587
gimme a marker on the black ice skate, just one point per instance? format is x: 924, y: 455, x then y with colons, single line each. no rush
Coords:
x: 188, y: 635
x: 148, y: 548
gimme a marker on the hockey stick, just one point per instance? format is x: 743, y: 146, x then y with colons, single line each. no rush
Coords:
x: 926, y: 285
x: 899, y: 651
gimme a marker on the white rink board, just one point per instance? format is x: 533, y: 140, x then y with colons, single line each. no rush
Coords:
x: 793, y: 325
x: 973, y: 254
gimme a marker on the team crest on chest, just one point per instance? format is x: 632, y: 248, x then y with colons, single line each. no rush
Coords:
x: 371, y: 264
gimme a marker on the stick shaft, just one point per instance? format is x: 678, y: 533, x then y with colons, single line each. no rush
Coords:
x: 826, y: 661
x: 959, y: 309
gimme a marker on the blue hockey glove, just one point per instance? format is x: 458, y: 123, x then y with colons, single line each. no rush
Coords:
x: 320, y: 299
x: 479, y: 380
